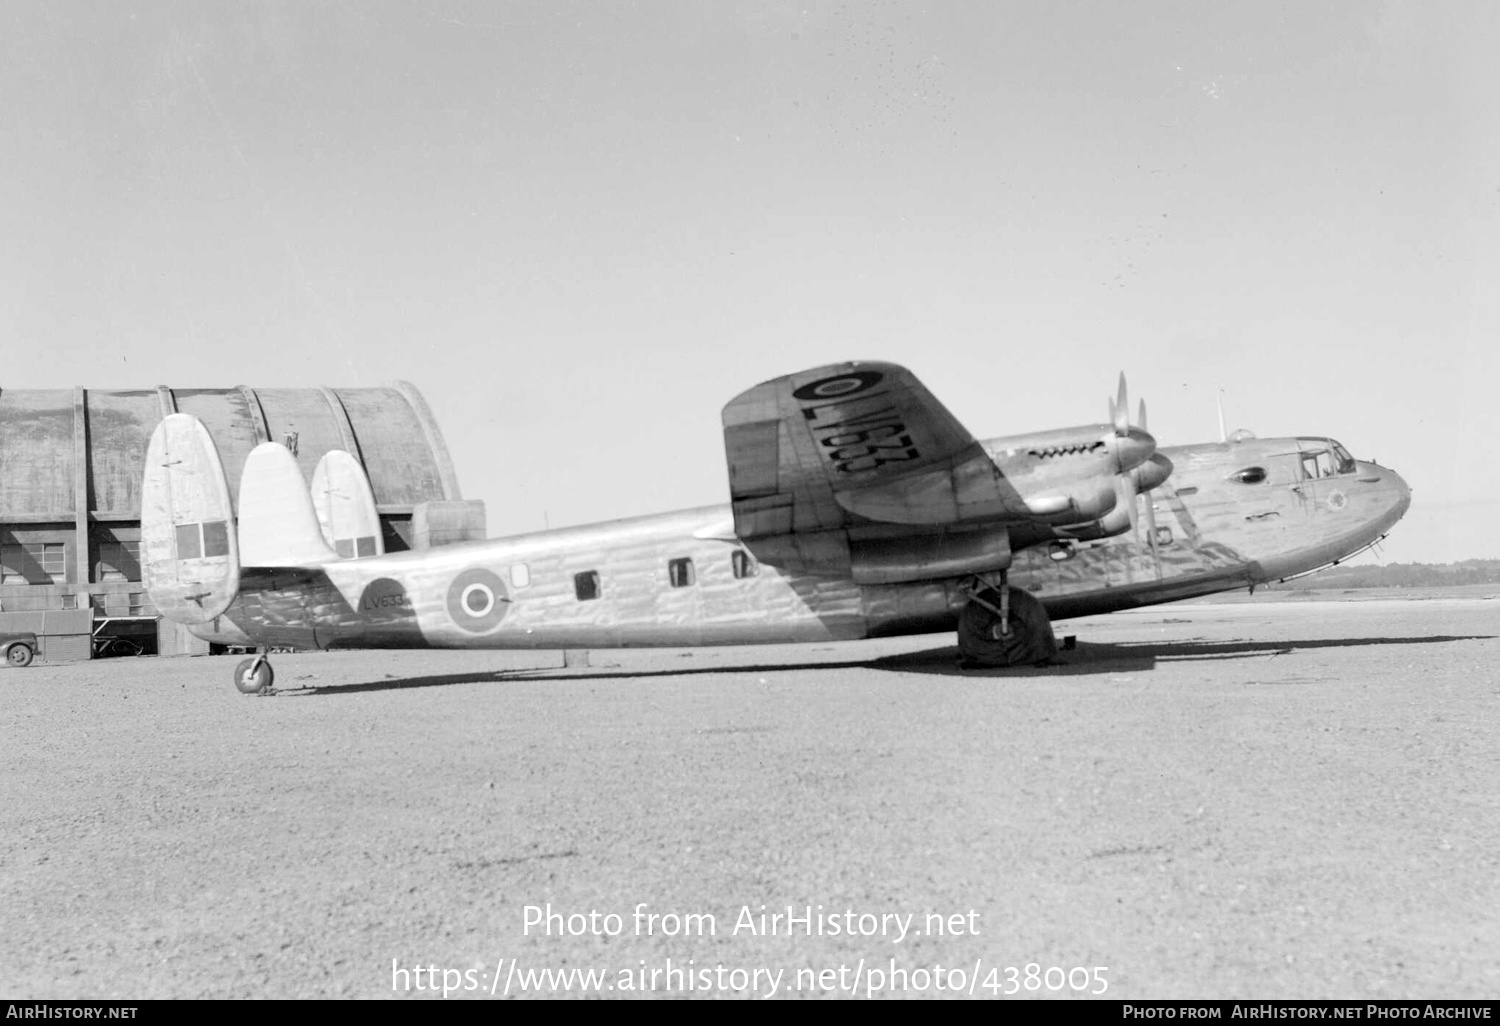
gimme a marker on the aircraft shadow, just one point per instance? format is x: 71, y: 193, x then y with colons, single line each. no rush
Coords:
x: 1090, y: 657
x: 544, y: 673
x: 1086, y: 658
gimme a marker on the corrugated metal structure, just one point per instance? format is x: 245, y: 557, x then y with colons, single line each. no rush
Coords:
x: 71, y: 463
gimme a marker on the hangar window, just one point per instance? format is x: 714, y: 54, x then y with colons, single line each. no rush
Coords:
x: 1250, y: 475
x: 586, y: 585
x: 119, y: 561
x: 70, y: 602
x: 520, y: 575
x: 33, y: 563
x: 680, y: 572
x: 137, y: 605
x: 744, y: 564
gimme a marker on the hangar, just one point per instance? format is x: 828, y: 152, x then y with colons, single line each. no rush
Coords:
x: 71, y: 462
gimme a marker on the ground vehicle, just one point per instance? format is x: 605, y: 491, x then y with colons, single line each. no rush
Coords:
x: 19, y: 647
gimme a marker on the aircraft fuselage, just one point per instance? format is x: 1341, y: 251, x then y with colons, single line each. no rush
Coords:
x: 1232, y: 515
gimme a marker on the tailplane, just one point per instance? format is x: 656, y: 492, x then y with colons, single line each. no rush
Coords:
x: 189, y: 552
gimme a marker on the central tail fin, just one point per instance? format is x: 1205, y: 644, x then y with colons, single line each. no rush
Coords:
x: 278, y: 525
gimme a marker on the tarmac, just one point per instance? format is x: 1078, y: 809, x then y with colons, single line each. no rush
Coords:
x: 1290, y: 799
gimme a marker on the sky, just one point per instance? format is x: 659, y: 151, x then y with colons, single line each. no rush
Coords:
x: 581, y: 228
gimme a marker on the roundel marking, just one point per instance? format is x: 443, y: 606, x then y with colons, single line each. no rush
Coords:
x: 838, y: 386
x: 477, y: 600
x: 1337, y: 500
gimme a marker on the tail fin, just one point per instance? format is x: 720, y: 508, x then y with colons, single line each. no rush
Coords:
x: 278, y: 526
x: 345, y: 506
x: 189, y: 555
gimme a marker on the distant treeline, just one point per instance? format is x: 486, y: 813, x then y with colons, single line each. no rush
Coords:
x: 1403, y: 575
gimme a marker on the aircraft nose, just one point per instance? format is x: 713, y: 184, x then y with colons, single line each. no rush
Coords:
x: 1402, y: 491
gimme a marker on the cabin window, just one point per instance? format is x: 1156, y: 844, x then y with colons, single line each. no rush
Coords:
x: 744, y: 564
x: 1250, y: 475
x: 586, y: 585
x: 520, y: 575
x: 680, y: 572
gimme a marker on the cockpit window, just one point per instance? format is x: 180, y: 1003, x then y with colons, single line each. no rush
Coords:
x: 1317, y: 464
x: 1250, y: 475
x: 1342, y: 458
x: 1323, y: 457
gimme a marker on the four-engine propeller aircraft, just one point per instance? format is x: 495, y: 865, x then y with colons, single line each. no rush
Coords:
x: 860, y: 508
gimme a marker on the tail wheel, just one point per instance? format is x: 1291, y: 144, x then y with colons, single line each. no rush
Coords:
x: 250, y: 679
x: 19, y: 655
x: 1029, y: 640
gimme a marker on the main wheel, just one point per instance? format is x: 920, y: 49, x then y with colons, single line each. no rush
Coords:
x: 1028, y: 642
x: 19, y: 654
x: 257, y: 682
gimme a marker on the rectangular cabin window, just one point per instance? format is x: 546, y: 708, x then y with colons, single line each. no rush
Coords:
x: 680, y: 572
x: 586, y: 585
x: 744, y: 564
x: 520, y: 575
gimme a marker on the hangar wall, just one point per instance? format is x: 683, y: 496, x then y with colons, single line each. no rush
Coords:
x: 71, y: 462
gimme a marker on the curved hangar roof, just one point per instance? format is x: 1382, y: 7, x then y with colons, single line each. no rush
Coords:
x: 56, y: 443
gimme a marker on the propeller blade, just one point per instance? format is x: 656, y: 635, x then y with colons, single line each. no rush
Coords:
x: 1141, y: 420
x: 1119, y: 411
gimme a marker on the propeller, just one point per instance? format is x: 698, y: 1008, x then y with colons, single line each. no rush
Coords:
x: 1133, y: 446
x: 1150, y: 506
x: 1140, y: 466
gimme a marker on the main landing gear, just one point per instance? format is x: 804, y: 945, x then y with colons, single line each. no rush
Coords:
x: 254, y: 676
x: 1003, y: 626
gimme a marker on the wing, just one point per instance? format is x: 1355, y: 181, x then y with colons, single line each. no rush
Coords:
x: 853, y: 443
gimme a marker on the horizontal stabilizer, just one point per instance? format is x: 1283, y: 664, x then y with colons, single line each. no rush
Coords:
x: 345, y: 506
x: 278, y: 525
x: 189, y: 558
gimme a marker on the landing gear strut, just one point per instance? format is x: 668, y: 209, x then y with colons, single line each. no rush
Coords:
x: 1003, y: 626
x: 254, y: 676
